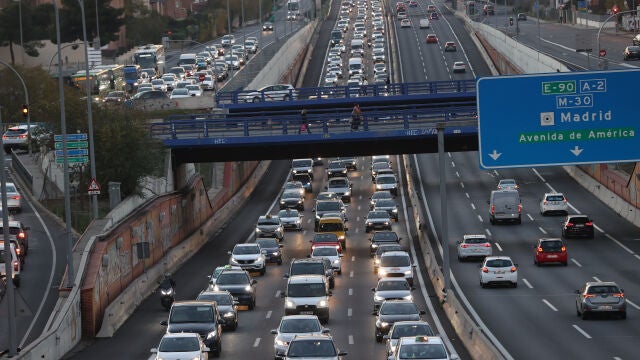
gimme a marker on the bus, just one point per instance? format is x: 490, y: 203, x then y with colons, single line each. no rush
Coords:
x: 103, y: 79
x: 150, y: 57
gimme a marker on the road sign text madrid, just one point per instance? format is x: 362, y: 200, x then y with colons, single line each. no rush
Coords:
x: 558, y: 119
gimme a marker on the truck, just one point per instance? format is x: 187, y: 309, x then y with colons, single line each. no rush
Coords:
x: 131, y: 77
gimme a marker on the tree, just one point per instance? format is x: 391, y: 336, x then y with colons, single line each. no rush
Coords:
x: 34, y: 27
x: 111, y: 20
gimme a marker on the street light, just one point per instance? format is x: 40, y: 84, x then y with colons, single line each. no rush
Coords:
x: 616, y: 13
x: 20, y: 19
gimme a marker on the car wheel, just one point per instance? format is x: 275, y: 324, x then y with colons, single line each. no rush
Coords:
x: 340, y: 272
x: 535, y: 262
x: 280, y: 262
x: 543, y: 213
x: 234, y: 326
x: 219, y: 350
x: 515, y: 284
x: 16, y: 282
x: 286, y: 98
x: 564, y: 263
x: 367, y: 230
x: 623, y: 315
x: 483, y: 285
x: 519, y: 221
x: 492, y: 221
x: 378, y: 337
x: 578, y: 312
x: 256, y: 99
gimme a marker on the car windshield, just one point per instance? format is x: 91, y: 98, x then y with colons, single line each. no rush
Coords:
x: 299, y: 326
x: 311, y: 349
x: 385, y: 203
x: 267, y: 243
x: 246, y: 250
x: 193, y: 87
x: 180, y: 92
x: 385, y: 236
x: 411, y: 330
x: 603, y: 289
x: 381, y: 195
x: 302, y: 163
x: 232, y: 279
x: 293, y: 185
x: 312, y: 268
x: 330, y: 227
x: 555, y: 198
x: 423, y: 351
x: 179, y: 344
x: 268, y: 222
x: 325, y: 251
x: 306, y: 290
x: 338, y: 183
x: 221, y: 299
x: 475, y: 240
x: 395, y: 261
x: 288, y: 213
x: 498, y: 263
x: 579, y: 220
x: 191, y: 314
x: 336, y: 165
x: 328, y: 206
x: 393, y: 285
x: 551, y: 245
x: 398, y: 308
x: 378, y: 215
x: 385, y: 180
x: 291, y: 194
x: 323, y: 238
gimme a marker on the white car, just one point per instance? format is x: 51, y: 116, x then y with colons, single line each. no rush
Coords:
x: 209, y: 83
x: 194, y: 90
x: 331, y: 79
x: 391, y: 288
x: 387, y: 182
x: 331, y: 253
x: 396, y: 264
x: 402, y: 329
x: 379, y: 68
x: 421, y: 347
x: 554, y: 203
x: 179, y: 93
x: 170, y: 80
x: 278, y: 92
x: 232, y: 61
x: 405, y: 23
x: 292, y: 326
x: 14, y: 198
x: 498, y: 270
x: 248, y: 256
x: 181, y: 345
x: 507, y: 184
x: 291, y: 219
x: 459, y: 66
x: 474, y: 246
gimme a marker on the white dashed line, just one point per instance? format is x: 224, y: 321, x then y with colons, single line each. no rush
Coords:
x: 473, y: 206
x: 269, y: 314
x: 596, y: 279
x: 350, y: 291
x: 457, y: 174
x: 467, y: 195
x: 256, y: 343
x: 359, y: 207
x: 349, y: 311
x: 461, y: 184
x: 542, y: 230
x: 353, y: 258
x: 487, y: 231
x: 360, y: 197
x: 350, y: 339
x: 619, y: 243
x: 584, y: 333
x: 357, y: 231
x: 637, y: 256
x: 633, y: 304
x: 357, y: 219
x: 526, y: 282
x: 530, y: 217
x: 449, y: 154
x: 549, y: 305
x: 351, y: 274
x: 576, y: 262
x: 617, y: 358
x: 480, y: 218
x: 277, y: 294
x: 498, y: 246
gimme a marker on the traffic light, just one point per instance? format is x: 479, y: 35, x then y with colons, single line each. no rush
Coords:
x: 25, y: 111
x: 615, y: 9
x: 510, y: 21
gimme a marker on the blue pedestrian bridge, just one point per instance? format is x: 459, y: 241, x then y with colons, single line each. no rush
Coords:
x: 396, y: 119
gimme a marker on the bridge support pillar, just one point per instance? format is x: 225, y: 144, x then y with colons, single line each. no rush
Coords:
x: 181, y: 174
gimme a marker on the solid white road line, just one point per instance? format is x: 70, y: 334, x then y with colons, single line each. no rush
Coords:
x: 633, y: 304
x: 596, y: 279
x: 480, y: 218
x: 584, y: 333
x: 349, y: 312
x: 542, y: 230
x: 350, y: 291
x: 530, y: 217
x: 277, y: 295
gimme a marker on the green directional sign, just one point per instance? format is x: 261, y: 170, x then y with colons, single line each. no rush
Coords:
x: 73, y: 160
x: 558, y: 87
x: 73, y: 145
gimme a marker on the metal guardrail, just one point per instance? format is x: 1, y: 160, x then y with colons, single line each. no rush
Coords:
x: 378, y: 124
x: 348, y: 92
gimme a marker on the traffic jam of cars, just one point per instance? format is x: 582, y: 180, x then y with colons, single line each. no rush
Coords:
x: 18, y: 247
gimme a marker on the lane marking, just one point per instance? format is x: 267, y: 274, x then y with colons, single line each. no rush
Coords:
x: 353, y: 258
x: 349, y: 312
x: 576, y: 262
x: 526, y: 282
x: 350, y: 339
x: 584, y: 333
x: 473, y: 206
x: 633, y: 304
x: 467, y: 195
x: 619, y: 243
x: 480, y: 218
x: 268, y: 314
x: 256, y: 343
x: 542, y: 230
x: 530, y: 217
x: 461, y: 184
x: 350, y: 291
x: 549, y: 305
x: 457, y: 174
x: 487, y: 231
x: 359, y: 207
x: 498, y: 246
x: 277, y: 294
x: 596, y: 279
x: 351, y: 274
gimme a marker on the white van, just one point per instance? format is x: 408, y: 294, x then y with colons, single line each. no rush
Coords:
x: 307, y: 295
x: 357, y: 47
x: 424, y: 23
x: 187, y: 59
x: 355, y: 66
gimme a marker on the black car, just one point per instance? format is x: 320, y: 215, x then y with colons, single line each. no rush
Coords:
x: 577, y: 225
x: 327, y: 206
x: 392, y: 311
x: 240, y: 284
x: 271, y: 249
x: 226, y: 306
x: 312, y: 266
x: 291, y: 199
x: 632, y: 53
x: 336, y: 168
x: 202, y: 317
x: 388, y: 205
x: 351, y: 163
x: 305, y: 179
x: 382, y: 237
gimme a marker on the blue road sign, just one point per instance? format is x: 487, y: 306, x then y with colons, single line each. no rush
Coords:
x: 557, y: 119
x: 73, y: 152
x: 71, y: 137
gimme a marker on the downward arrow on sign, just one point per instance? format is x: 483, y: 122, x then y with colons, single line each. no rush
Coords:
x: 495, y: 155
x: 576, y: 150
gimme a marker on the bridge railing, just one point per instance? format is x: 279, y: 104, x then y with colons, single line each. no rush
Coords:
x: 347, y: 92
x: 380, y: 122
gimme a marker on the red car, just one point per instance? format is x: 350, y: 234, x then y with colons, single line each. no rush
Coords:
x: 413, y: 3
x: 325, y: 239
x: 550, y: 250
x: 432, y: 38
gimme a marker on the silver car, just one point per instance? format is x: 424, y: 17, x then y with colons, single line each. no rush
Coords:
x: 554, y: 203
x: 270, y: 226
x: 319, y: 347
x: 278, y: 92
x: 601, y: 297
x: 292, y: 326
x: 340, y: 186
x: 391, y: 288
x: 291, y: 219
x: 402, y: 329
x: 474, y: 246
x: 14, y: 199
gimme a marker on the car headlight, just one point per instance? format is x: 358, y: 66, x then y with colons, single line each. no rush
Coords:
x: 382, y: 324
x: 374, y: 246
x: 282, y: 202
x: 408, y: 272
x: 247, y: 288
x: 408, y: 297
x: 336, y: 261
x: 341, y: 237
x: 386, y: 223
x: 299, y: 201
x: 298, y: 221
x: 281, y: 342
x: 382, y: 272
x: 378, y: 298
x: 258, y: 230
x: 394, y: 210
x: 323, y: 303
x: 378, y: 186
x: 212, y: 334
x: 216, y: 288
x: 233, y: 261
x: 229, y: 314
x: 347, y: 193
x: 290, y: 304
x: 377, y: 261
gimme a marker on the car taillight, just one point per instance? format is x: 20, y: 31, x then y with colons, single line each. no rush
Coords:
x: 618, y: 295
x: 24, y: 136
x: 493, y: 209
x: 513, y: 269
x: 15, y: 197
x: 15, y: 265
x: 18, y: 251
x: 485, y: 270
x: 464, y: 246
x: 519, y: 208
x: 569, y: 224
x: 587, y: 296
x: 539, y: 249
x: 22, y: 235
x: 563, y: 249
x: 588, y: 223
x: 486, y: 245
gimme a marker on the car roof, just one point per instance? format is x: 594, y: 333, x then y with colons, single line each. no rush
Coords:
x: 306, y: 278
x: 246, y: 245
x: 411, y: 340
x: 549, y: 239
x: 497, y: 257
x: 601, y: 283
x: 398, y: 279
x: 180, y: 335
x: 192, y: 303
x: 305, y: 316
x: 395, y: 253
x: 215, y: 292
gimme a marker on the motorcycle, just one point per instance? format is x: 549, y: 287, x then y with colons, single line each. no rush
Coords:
x: 167, y: 297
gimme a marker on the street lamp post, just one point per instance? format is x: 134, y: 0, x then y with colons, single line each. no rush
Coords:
x: 92, y: 158
x: 20, y: 20
x: 97, y: 27
x: 229, y: 17
x: 26, y: 102
x: 604, y: 23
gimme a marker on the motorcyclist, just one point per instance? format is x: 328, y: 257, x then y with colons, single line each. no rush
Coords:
x: 167, y: 282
